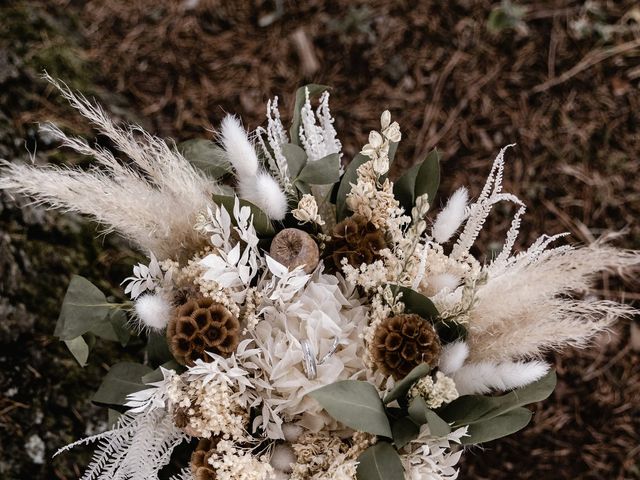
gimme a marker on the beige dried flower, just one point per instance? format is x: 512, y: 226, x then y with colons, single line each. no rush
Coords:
x: 307, y: 210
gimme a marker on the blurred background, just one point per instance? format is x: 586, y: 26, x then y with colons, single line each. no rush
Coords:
x: 559, y: 78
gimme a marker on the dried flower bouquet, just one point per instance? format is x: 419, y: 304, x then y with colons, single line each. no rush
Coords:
x: 312, y: 322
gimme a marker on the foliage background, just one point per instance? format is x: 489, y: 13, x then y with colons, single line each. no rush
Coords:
x: 560, y: 78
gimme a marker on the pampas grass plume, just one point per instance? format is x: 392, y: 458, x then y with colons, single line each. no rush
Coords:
x: 451, y: 217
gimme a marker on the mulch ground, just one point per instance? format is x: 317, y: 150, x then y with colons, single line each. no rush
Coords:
x: 558, y: 78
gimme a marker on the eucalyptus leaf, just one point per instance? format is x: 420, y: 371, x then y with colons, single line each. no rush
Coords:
x: 79, y: 349
x: 350, y: 176
x: 421, y: 414
x: 158, y: 351
x: 112, y: 417
x: 393, y: 149
x: 314, y: 91
x: 380, y: 462
x: 497, y: 427
x: 428, y: 178
x: 418, y: 180
x: 416, y: 302
x: 84, y: 307
x: 471, y: 409
x: 401, y: 388
x: 121, y: 380
x: 356, y: 404
x: 156, y: 375
x: 114, y: 328
x: 324, y: 171
x: 296, y: 158
x: 404, y: 430
x: 261, y: 222
x: 206, y: 156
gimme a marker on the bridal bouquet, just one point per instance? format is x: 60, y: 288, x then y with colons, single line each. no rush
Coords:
x: 311, y: 321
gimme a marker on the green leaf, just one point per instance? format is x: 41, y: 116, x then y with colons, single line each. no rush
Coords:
x: 156, y: 375
x: 206, y: 156
x: 350, y: 176
x: 324, y: 171
x: 121, y: 380
x: 114, y: 329
x: 84, y: 307
x: 261, y: 222
x: 421, y: 414
x: 471, y: 409
x: 112, y: 417
x: 79, y: 349
x: 416, y: 302
x: 402, y: 387
x: 296, y: 158
x: 428, y: 178
x: 356, y: 404
x: 380, y: 462
x: 314, y: 91
x: 497, y: 427
x: 393, y: 148
x: 404, y: 430
x: 418, y: 180
x: 158, y: 351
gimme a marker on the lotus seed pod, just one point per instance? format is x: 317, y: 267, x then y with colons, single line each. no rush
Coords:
x: 292, y: 248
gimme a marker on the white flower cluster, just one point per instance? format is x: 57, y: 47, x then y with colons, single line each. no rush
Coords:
x: 234, y: 463
x: 426, y: 458
x: 378, y: 147
x: 436, y: 392
x: 307, y: 210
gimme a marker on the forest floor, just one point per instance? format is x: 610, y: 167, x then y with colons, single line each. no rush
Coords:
x: 560, y: 79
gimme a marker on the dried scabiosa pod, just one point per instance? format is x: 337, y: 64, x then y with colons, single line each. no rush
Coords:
x: 200, y: 325
x: 200, y: 467
x: 356, y: 239
x: 403, y: 342
x: 293, y: 247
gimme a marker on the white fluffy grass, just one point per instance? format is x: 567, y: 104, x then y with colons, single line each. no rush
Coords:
x: 451, y: 217
x: 153, y: 202
x: 485, y: 377
x: 254, y: 185
x: 538, y: 305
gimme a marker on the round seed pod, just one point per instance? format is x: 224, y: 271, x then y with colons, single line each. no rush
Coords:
x: 357, y: 240
x: 403, y: 342
x: 293, y: 247
x: 201, y: 325
x: 199, y: 463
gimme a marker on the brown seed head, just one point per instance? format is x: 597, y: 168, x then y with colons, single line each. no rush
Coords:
x: 293, y: 247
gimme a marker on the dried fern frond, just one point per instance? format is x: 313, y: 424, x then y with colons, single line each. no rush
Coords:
x: 137, y: 448
x: 153, y: 203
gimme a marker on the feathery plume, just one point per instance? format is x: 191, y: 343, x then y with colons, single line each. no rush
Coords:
x: 537, y: 305
x: 485, y: 377
x: 451, y: 217
x: 239, y: 149
x: 254, y: 185
x: 453, y: 356
x: 153, y: 203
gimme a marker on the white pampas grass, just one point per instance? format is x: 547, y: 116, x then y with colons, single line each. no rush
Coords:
x: 485, y: 377
x: 153, y: 202
x: 254, y: 185
x: 536, y: 303
x: 452, y: 357
x: 451, y: 217
x: 152, y: 311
